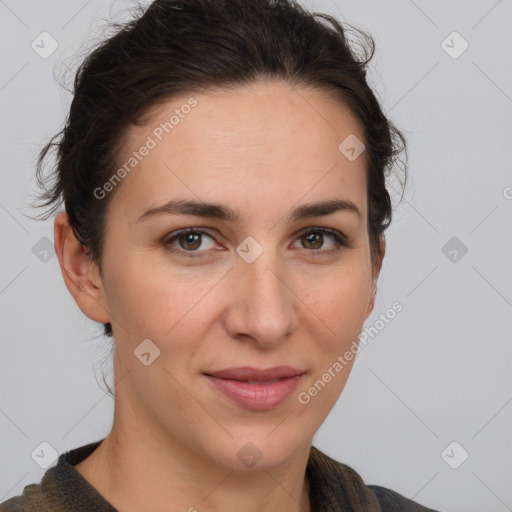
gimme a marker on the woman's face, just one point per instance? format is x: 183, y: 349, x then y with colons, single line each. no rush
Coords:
x: 250, y: 291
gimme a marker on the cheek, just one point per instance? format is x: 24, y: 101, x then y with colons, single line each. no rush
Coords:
x: 338, y: 310
x: 156, y: 302
x: 340, y: 299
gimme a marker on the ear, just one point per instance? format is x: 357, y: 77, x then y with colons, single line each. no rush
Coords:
x: 80, y: 274
x: 376, y: 272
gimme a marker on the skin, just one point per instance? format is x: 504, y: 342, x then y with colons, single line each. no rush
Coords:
x: 263, y: 149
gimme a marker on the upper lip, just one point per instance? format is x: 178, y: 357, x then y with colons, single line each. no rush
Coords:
x: 249, y: 373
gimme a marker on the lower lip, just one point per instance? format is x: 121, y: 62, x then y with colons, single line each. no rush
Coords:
x: 257, y: 396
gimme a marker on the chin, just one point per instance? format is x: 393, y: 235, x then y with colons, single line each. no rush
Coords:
x: 256, y: 452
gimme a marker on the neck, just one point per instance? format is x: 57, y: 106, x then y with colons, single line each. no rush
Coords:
x: 139, y: 469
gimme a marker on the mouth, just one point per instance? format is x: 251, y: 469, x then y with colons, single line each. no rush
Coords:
x: 255, y: 389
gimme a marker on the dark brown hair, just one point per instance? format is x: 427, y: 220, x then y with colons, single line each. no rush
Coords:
x: 182, y: 46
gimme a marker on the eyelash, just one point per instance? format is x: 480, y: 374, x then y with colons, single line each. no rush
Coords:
x: 341, y: 241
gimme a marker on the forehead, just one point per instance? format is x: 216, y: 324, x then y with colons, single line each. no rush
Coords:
x: 264, y: 141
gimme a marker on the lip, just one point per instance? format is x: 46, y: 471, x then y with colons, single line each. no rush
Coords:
x: 273, y: 387
x: 250, y: 373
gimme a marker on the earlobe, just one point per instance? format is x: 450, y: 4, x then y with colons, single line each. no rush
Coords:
x: 80, y: 274
x: 371, y: 301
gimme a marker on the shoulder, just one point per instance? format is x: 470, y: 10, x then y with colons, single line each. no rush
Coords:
x: 61, y: 488
x: 336, y: 486
x: 31, y: 500
x: 391, y: 501
x: 14, y: 504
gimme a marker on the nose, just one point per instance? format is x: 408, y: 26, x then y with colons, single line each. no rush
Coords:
x: 263, y: 306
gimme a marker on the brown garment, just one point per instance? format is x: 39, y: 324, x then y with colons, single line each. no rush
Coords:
x: 333, y: 487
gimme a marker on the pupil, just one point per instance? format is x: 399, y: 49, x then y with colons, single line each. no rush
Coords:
x: 190, y: 238
x: 310, y: 238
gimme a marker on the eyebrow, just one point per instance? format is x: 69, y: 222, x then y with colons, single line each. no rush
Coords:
x: 222, y: 212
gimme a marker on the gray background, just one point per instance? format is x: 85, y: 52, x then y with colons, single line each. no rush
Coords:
x: 439, y: 372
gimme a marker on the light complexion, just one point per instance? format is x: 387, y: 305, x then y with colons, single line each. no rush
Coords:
x: 262, y: 151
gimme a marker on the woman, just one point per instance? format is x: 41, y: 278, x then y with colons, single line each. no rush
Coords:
x: 223, y: 174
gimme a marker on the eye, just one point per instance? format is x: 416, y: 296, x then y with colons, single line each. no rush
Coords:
x: 188, y: 240
x: 314, y: 238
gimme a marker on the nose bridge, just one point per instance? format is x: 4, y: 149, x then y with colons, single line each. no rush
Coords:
x: 268, y: 302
